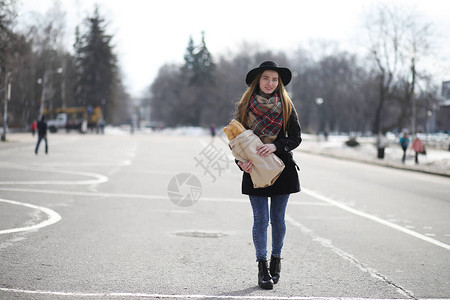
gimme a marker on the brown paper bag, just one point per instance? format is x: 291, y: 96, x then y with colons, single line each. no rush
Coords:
x: 266, y: 170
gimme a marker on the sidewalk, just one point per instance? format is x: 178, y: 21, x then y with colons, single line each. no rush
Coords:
x: 434, y: 162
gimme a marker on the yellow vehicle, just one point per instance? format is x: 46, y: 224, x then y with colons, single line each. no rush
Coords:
x: 79, y: 118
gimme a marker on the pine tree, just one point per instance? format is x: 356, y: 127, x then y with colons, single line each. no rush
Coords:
x: 198, y: 73
x: 97, y: 66
x: 204, y: 64
x: 198, y: 63
x: 189, y: 56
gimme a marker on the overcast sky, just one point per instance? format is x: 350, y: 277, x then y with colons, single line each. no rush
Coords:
x: 150, y: 33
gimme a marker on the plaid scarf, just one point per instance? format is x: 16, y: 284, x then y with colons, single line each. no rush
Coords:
x: 265, y: 117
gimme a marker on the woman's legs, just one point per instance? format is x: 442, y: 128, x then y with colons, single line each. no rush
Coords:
x: 278, y: 206
x: 260, y: 208
x: 260, y: 223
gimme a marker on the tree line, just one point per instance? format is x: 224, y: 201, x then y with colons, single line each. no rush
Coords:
x: 44, y: 74
x: 386, y: 89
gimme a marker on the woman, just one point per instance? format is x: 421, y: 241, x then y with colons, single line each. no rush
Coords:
x: 267, y: 109
x: 417, y: 147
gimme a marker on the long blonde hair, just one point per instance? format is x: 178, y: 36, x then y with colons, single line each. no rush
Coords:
x: 286, y: 102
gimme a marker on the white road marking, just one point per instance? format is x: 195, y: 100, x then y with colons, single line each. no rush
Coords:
x: 84, y: 164
x: 53, y: 217
x: 375, y: 218
x: 106, y: 195
x: 98, y: 179
x: 9, y: 242
x: 164, y: 296
x: 327, y: 243
x: 152, y: 197
x: 241, y: 200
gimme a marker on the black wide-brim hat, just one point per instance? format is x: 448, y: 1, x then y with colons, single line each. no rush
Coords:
x: 285, y: 73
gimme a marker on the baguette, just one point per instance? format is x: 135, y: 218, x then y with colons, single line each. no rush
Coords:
x: 233, y: 129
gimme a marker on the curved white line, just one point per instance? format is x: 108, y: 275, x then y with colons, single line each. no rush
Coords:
x: 53, y: 217
x: 99, y: 179
x: 84, y: 164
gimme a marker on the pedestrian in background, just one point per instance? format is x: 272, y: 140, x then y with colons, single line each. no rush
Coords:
x: 212, y: 130
x: 267, y: 109
x: 417, y: 147
x: 33, y: 127
x: 102, y: 126
x: 404, y: 142
x: 42, y: 134
x: 381, y: 145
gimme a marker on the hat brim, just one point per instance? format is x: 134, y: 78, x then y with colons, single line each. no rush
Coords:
x: 285, y: 74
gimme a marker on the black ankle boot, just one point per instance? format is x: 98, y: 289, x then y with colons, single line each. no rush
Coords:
x: 264, y: 280
x: 275, y: 268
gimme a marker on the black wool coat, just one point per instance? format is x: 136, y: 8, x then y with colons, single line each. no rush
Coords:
x: 288, y: 181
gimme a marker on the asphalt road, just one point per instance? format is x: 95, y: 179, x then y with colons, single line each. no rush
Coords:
x: 161, y: 216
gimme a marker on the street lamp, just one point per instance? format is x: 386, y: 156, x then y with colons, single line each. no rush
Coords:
x: 43, y: 81
x: 319, y: 102
x: 7, y: 91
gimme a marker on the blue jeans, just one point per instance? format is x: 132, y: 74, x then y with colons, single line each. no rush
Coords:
x: 40, y: 138
x: 260, y: 207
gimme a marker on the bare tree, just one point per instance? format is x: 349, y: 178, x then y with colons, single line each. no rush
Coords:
x: 396, y: 43
x: 7, y: 17
x: 8, y: 14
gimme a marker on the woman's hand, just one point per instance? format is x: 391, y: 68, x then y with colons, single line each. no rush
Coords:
x: 266, y: 149
x: 246, y: 166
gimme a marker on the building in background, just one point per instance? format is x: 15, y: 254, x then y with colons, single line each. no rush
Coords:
x: 443, y: 114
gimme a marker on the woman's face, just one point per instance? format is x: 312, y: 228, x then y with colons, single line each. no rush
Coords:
x: 268, y: 82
